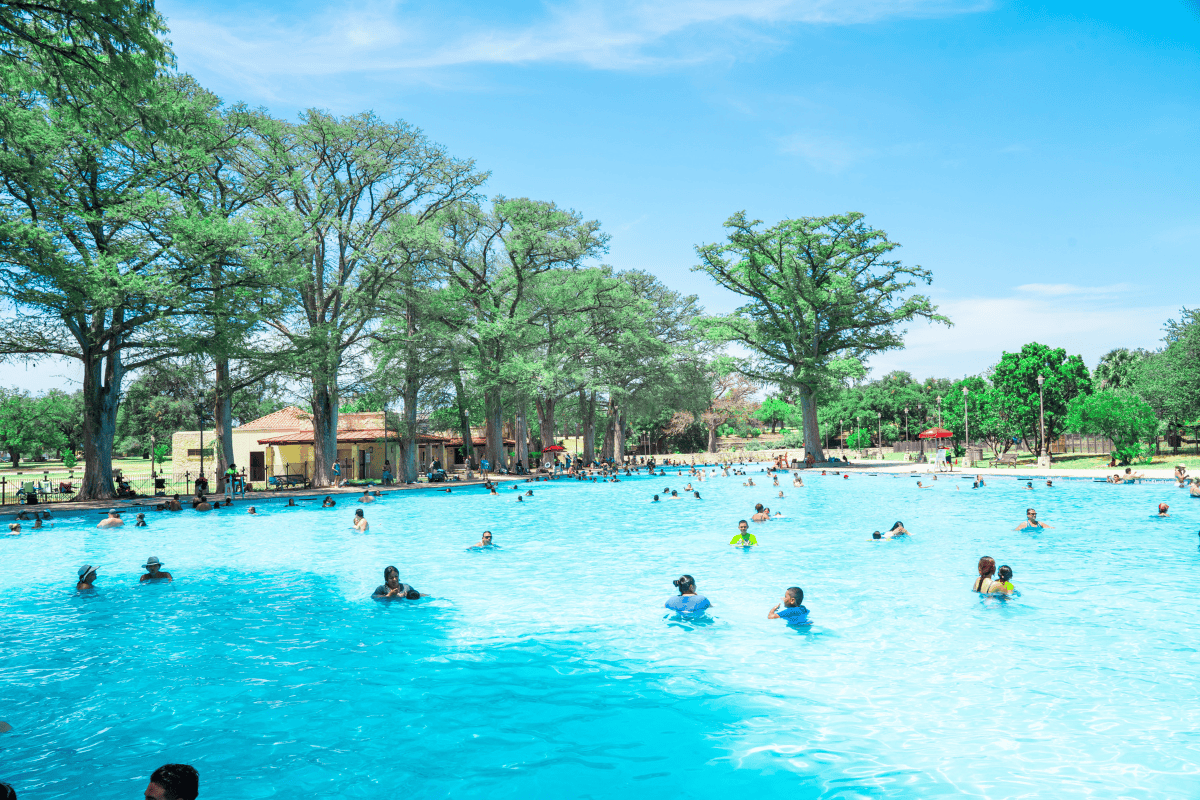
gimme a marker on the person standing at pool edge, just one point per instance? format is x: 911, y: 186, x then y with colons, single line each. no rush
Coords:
x: 688, y: 603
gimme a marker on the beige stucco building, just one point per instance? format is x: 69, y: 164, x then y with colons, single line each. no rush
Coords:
x: 282, y: 444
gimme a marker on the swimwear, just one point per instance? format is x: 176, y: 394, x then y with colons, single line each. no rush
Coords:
x: 796, y: 616
x: 748, y: 540
x: 688, y: 604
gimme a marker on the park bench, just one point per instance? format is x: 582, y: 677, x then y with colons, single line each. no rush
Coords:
x: 1009, y: 459
x: 282, y: 481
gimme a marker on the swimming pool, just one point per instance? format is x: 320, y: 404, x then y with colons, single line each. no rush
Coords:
x: 545, y: 668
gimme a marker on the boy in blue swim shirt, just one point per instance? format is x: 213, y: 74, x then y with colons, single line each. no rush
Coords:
x: 795, y: 614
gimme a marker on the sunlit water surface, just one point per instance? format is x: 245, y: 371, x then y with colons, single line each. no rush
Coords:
x: 546, y: 669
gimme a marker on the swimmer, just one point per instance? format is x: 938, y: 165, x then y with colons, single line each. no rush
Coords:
x: 696, y: 495
x: 87, y: 578
x: 174, y: 505
x: 781, y: 494
x: 898, y: 530
x: 484, y: 541
x: 1049, y: 482
x: 520, y: 498
x: 446, y: 490
x: 1031, y: 521
x: 14, y: 529
x: 797, y: 482
x: 529, y: 493
x: 744, y: 538
x: 794, y: 613
x: 1005, y: 575
x: 291, y: 502
x: 655, y: 500
x: 688, y: 603
x: 328, y: 502
x: 979, y: 481
x: 140, y: 522
x: 674, y: 495
x: 919, y: 486
x: 778, y: 515
x: 253, y: 511
x: 1029, y: 486
x: 984, y: 583
x: 200, y: 503
x: 154, y: 571
x: 776, y: 480
x: 360, y: 522
x: 847, y: 477
x: 492, y: 489
x: 688, y: 488
x: 1162, y: 510
x: 113, y: 520
x: 393, y: 589
x: 366, y: 497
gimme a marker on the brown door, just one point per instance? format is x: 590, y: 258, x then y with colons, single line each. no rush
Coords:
x: 258, y: 470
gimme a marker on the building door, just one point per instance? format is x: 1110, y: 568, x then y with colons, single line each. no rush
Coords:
x: 258, y: 470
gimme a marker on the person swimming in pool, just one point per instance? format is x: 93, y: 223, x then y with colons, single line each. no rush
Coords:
x: 366, y: 497
x: 393, y: 589
x: 655, y: 500
x: 291, y: 502
x: 1004, y: 574
x: 744, y: 537
x: 360, y: 522
x: 328, y: 502
x: 688, y: 603
x: 484, y: 541
x: 14, y: 529
x: 154, y: 571
x: 919, y: 486
x: 1031, y: 521
x: 113, y: 520
x: 897, y: 530
x: 794, y: 613
x: 140, y: 522
x: 984, y: 583
x: 1162, y: 510
x: 87, y: 578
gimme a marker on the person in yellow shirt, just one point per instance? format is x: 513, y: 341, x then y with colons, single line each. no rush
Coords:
x: 744, y: 537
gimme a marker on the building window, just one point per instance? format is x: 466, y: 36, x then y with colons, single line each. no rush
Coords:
x: 195, y: 452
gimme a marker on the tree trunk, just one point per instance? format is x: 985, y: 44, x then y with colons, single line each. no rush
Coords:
x: 587, y: 410
x: 408, y: 426
x: 619, y: 441
x: 493, y: 431
x: 325, y: 420
x: 101, y: 397
x: 522, y: 434
x: 464, y: 424
x: 223, y: 422
x: 545, y: 415
x: 712, y: 437
x: 812, y: 433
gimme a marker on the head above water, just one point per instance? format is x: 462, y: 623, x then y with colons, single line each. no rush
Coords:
x: 358, y: 512
x: 898, y: 524
x: 1004, y: 572
x: 793, y: 597
x: 987, y: 567
x: 685, y: 584
x: 743, y: 526
x: 177, y: 781
x: 390, y: 574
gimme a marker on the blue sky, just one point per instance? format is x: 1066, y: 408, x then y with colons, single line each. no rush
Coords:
x: 1041, y: 160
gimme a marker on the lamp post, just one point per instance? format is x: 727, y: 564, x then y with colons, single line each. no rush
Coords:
x: 857, y: 425
x: 1043, y: 452
x: 967, y: 424
x: 879, y: 432
x: 906, y: 423
x: 841, y: 433
x: 939, y: 402
x: 201, y: 413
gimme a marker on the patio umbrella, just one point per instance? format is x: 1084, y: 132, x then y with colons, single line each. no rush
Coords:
x: 935, y: 433
x: 554, y: 448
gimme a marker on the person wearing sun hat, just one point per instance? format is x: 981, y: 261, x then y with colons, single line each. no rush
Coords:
x: 154, y: 571
x: 87, y: 577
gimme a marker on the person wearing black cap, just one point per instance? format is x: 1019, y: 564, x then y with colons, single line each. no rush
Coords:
x: 87, y: 577
x: 173, y: 782
x: 154, y: 571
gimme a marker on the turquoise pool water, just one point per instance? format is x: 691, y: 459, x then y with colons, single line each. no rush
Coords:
x: 546, y: 669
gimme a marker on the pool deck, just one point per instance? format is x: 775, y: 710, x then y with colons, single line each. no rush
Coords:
x: 1022, y: 473
x: 140, y: 504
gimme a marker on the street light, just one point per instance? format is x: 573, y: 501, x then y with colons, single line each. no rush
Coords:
x: 201, y: 414
x: 879, y: 433
x: 1042, y: 452
x: 939, y: 402
x: 906, y: 423
x: 967, y: 423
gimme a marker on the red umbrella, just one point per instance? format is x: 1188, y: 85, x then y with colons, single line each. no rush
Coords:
x: 935, y: 433
x: 554, y: 448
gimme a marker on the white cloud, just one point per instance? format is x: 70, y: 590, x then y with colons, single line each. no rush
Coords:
x: 1061, y: 289
x: 387, y: 36
x: 986, y: 327
x: 824, y: 153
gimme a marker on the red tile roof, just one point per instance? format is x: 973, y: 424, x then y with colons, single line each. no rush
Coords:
x: 290, y: 418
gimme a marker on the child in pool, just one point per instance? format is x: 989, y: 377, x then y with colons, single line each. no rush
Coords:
x: 795, y: 614
x: 1005, y: 576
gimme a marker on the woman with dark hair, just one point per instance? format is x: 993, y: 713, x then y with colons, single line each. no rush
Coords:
x: 984, y: 583
x: 688, y: 603
x: 393, y: 589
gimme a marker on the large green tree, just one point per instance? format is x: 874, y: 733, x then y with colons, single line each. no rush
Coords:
x: 822, y: 291
x: 1120, y: 415
x: 1017, y: 395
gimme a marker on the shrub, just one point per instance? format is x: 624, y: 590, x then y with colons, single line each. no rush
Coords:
x: 69, y: 459
x: 792, y: 440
